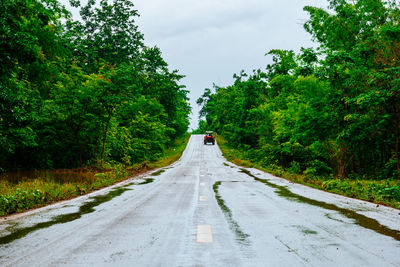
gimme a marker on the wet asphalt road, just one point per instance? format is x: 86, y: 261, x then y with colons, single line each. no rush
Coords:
x: 204, y: 211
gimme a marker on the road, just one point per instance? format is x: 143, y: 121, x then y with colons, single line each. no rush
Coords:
x: 204, y: 211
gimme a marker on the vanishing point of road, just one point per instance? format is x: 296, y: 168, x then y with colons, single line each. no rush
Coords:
x: 204, y: 211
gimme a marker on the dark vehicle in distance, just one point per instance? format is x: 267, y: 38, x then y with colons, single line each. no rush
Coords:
x: 209, y: 138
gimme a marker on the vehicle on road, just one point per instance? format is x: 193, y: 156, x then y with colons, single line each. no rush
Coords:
x: 209, y: 138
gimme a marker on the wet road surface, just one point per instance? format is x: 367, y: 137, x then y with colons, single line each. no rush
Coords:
x: 204, y: 211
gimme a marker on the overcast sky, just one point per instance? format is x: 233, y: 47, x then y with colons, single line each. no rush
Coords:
x: 210, y: 40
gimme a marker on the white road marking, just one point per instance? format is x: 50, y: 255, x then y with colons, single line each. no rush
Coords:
x: 202, y: 184
x: 203, y: 198
x: 204, y: 234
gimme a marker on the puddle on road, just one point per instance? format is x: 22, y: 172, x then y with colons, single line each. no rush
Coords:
x: 227, y: 165
x: 86, y: 208
x: 359, y: 219
x: 146, y: 181
x: 305, y: 230
x: 157, y: 173
x: 309, y: 232
x: 241, y: 237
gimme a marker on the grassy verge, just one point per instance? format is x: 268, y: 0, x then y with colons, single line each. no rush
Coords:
x: 386, y: 192
x: 43, y: 190
x: 171, y: 155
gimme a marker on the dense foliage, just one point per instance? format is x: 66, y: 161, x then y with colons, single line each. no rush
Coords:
x: 24, y: 190
x: 334, y: 110
x: 76, y: 92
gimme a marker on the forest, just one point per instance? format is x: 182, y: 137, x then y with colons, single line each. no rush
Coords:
x: 330, y: 111
x: 78, y: 92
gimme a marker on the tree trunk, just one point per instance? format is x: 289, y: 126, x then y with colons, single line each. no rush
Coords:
x: 397, y: 145
x: 342, y: 161
x: 80, y: 156
x: 78, y: 144
x: 105, y: 139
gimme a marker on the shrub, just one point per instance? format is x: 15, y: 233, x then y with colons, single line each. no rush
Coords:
x: 390, y: 169
x: 295, y: 167
x: 318, y: 168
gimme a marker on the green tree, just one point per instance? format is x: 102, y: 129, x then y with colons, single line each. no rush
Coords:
x: 29, y: 40
x: 107, y: 33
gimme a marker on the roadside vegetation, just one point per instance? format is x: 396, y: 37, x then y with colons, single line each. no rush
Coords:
x: 81, y: 96
x: 327, y: 117
x: 380, y: 191
x: 22, y: 191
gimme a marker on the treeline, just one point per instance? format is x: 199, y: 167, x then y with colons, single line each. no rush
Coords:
x: 77, y: 92
x: 330, y: 111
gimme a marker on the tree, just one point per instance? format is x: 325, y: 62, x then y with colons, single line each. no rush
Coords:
x: 361, y: 47
x: 107, y: 33
x: 29, y: 40
x: 335, y: 109
x: 69, y: 85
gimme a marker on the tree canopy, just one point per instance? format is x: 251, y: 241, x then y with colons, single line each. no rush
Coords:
x: 76, y: 92
x: 333, y: 110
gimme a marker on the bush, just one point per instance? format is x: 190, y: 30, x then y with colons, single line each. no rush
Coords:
x: 295, y: 167
x: 318, y: 168
x: 269, y: 155
x: 390, y: 169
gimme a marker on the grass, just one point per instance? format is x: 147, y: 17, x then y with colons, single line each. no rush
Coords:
x: 386, y: 192
x: 172, y: 154
x: 44, y: 189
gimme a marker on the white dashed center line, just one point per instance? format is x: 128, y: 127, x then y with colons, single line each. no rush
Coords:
x: 203, y: 198
x: 204, y: 234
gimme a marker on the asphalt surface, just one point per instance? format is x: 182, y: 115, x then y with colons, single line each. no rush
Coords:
x: 204, y: 211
